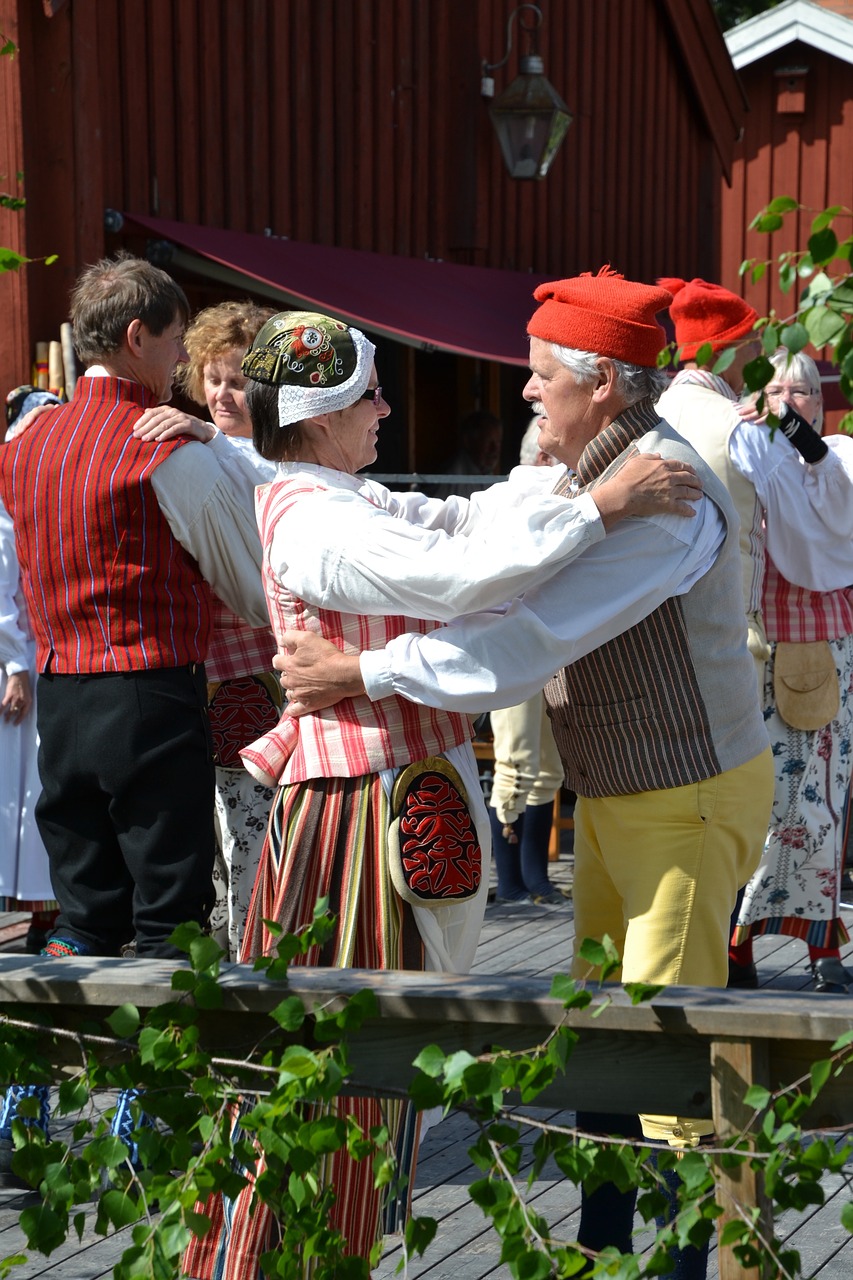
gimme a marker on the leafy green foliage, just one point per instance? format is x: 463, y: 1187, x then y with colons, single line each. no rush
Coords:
x: 824, y: 314
x: 731, y: 12
x: 9, y: 259
x: 267, y: 1121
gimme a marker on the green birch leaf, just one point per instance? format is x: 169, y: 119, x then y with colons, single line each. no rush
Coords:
x: 794, y: 337
x: 757, y: 1097
x: 431, y: 1060
x: 43, y: 1227
x: 290, y: 1014
x: 823, y: 245
x: 11, y: 261
x: 770, y: 339
x: 816, y: 288
x: 825, y: 218
x: 820, y: 1073
x: 724, y: 360
x: 562, y: 986
x: 841, y: 297
x: 782, y: 204
x: 420, y: 1233
x: 787, y: 277
x: 124, y: 1021
x: 824, y: 327
x: 642, y: 992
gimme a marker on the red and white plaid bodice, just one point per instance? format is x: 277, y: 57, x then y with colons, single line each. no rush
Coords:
x: 357, y: 736
x: 800, y: 616
x: 236, y: 649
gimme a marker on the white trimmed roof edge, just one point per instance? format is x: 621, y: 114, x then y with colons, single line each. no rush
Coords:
x: 793, y: 20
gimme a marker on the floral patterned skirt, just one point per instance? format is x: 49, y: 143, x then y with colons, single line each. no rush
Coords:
x: 796, y: 889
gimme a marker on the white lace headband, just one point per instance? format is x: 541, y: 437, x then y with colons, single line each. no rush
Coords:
x: 296, y: 403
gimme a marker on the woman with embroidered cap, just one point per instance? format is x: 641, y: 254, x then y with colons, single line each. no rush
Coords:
x: 378, y: 805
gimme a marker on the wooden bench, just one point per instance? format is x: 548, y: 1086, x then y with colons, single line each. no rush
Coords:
x: 689, y: 1051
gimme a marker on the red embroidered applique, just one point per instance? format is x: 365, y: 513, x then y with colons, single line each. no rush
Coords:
x: 440, y: 853
x: 241, y: 710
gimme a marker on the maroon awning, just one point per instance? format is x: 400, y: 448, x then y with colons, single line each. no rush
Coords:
x: 475, y: 311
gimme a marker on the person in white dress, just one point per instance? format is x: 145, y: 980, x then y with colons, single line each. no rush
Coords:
x: 24, y: 872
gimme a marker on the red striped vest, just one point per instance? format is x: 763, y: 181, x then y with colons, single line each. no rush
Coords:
x: 357, y: 736
x: 107, y: 585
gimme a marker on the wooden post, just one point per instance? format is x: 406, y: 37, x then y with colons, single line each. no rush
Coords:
x: 735, y: 1065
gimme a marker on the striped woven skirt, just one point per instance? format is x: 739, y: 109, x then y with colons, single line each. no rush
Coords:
x: 327, y: 838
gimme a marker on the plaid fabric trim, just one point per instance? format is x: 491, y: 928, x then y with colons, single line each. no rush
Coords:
x: 236, y: 649
x: 799, y: 616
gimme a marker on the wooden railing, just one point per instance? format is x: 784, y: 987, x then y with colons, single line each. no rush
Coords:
x: 690, y: 1051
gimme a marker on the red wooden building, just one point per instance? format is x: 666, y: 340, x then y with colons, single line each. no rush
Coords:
x: 796, y: 65
x: 339, y: 151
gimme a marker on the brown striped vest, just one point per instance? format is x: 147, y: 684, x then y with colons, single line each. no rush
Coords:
x: 673, y: 700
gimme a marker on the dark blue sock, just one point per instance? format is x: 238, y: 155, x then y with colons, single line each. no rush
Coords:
x: 534, y: 832
x: 607, y: 1214
x: 690, y: 1263
x: 507, y: 860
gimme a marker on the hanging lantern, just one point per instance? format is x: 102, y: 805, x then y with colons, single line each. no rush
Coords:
x: 530, y: 118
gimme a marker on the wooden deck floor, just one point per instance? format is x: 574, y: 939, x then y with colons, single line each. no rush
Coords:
x: 533, y: 940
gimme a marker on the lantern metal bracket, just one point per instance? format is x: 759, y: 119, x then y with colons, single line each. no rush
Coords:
x: 487, y: 84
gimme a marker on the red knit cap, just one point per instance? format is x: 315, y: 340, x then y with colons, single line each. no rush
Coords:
x: 604, y: 313
x: 703, y: 312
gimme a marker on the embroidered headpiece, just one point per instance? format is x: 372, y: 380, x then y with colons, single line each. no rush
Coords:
x: 317, y: 363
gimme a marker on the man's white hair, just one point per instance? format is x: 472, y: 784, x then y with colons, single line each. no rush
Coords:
x: 633, y: 381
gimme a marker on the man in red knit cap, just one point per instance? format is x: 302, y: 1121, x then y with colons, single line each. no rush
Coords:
x: 793, y: 502
x: 651, y: 690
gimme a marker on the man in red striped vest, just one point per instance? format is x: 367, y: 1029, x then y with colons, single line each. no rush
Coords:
x: 118, y: 540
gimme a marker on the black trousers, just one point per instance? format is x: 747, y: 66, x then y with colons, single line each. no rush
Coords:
x: 126, y: 810
x: 607, y: 1214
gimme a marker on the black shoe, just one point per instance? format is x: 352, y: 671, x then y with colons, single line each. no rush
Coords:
x: 35, y: 940
x: 742, y: 977
x: 830, y: 976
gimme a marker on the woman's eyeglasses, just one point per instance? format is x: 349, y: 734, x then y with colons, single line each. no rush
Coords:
x: 374, y: 394
x: 798, y: 393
